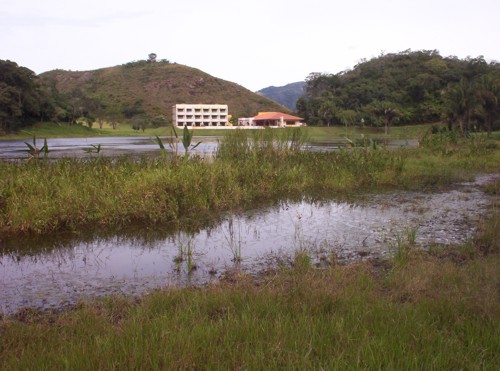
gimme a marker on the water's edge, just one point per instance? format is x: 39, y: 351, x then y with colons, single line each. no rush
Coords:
x: 58, y: 272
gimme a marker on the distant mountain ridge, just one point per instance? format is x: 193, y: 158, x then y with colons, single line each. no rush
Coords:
x: 151, y: 89
x: 286, y: 95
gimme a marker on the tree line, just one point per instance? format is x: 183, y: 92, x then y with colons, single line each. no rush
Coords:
x: 409, y: 87
x: 22, y: 99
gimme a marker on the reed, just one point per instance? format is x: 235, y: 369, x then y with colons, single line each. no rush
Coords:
x: 267, y: 143
x: 33, y: 150
x: 233, y: 239
x: 404, y: 246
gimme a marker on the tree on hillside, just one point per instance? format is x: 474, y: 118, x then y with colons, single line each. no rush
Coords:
x: 319, y: 103
x: 134, y: 109
x: 489, y: 101
x: 386, y: 111
x: 460, y: 100
x: 140, y: 122
x: 114, y: 116
x: 328, y: 109
x: 412, y: 80
x: 159, y: 120
x: 81, y: 106
x: 57, y: 101
x: 10, y: 109
x: 474, y: 68
x: 302, y: 107
x: 348, y: 118
x: 21, y: 99
x: 317, y: 83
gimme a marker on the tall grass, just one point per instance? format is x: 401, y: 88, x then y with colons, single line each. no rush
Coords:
x: 265, y: 165
x: 241, y: 144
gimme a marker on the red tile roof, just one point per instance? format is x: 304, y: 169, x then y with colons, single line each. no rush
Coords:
x: 276, y: 116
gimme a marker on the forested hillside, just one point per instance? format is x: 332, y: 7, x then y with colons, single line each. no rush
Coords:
x: 407, y: 88
x: 22, y: 99
x: 141, y: 93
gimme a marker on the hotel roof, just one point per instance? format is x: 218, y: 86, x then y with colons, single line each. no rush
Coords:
x: 276, y: 116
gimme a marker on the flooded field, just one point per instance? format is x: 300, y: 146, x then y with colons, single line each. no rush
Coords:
x: 47, y: 273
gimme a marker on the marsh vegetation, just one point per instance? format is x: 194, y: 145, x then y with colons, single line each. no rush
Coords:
x: 437, y: 308
x: 38, y: 197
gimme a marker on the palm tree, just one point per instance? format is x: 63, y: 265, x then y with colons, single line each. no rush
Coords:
x: 327, y: 110
x: 387, y: 111
x: 348, y: 118
x: 488, y: 97
x: 460, y: 100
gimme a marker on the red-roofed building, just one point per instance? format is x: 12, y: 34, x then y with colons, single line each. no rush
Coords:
x: 272, y: 119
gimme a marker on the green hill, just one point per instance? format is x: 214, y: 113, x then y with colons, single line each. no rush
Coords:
x: 150, y: 89
x: 412, y: 86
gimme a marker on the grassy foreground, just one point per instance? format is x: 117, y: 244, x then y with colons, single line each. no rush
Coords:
x: 420, y: 310
x: 438, y: 310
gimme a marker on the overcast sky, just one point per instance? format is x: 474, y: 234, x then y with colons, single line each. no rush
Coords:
x: 255, y: 43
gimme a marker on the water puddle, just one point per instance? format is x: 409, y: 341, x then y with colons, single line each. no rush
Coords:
x: 52, y: 274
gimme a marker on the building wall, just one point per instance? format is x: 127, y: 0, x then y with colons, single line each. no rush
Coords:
x: 200, y: 115
x: 245, y: 121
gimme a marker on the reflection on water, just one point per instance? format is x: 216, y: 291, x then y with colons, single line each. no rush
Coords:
x: 48, y: 274
x: 110, y: 146
x: 140, y: 146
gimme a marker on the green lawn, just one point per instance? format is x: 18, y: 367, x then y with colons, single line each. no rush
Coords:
x: 52, y: 130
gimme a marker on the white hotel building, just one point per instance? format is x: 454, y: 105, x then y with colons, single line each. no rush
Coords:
x: 200, y: 115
